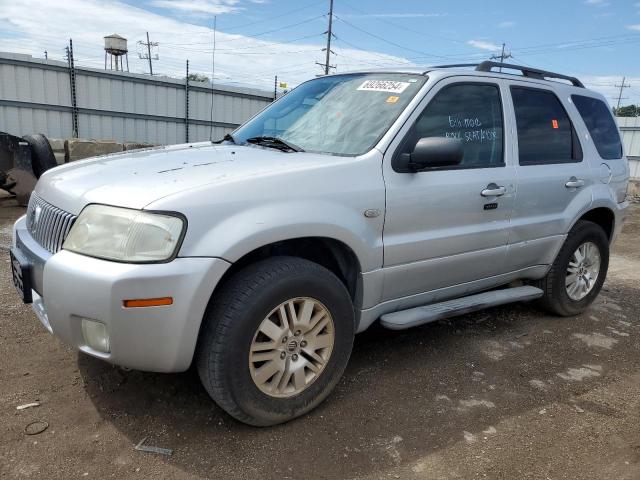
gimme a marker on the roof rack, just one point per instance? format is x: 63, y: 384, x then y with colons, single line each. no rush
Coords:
x: 530, y: 72
x: 456, y: 65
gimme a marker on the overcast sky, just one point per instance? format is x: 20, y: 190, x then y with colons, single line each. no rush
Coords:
x: 597, y: 40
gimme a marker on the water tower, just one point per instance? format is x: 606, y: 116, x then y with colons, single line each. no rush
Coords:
x: 115, y: 46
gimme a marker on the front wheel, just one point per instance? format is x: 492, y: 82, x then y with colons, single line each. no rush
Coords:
x: 276, y: 340
x: 578, y: 272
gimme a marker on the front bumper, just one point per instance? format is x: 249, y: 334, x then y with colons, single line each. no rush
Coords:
x: 68, y: 287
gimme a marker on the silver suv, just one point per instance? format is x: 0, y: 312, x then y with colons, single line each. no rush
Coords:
x: 400, y: 196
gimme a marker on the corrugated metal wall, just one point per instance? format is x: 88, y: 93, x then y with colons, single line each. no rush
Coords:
x: 630, y: 129
x: 35, y: 98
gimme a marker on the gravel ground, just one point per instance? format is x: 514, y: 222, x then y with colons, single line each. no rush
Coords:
x: 506, y: 393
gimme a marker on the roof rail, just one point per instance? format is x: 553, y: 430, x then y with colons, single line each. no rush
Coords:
x: 455, y: 65
x: 528, y: 72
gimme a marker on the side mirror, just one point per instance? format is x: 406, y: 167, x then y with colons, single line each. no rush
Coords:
x: 432, y: 152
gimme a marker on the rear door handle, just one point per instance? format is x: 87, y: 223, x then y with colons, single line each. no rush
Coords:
x: 493, y: 190
x: 574, y: 183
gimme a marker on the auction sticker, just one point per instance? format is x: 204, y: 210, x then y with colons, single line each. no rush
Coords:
x: 389, y: 86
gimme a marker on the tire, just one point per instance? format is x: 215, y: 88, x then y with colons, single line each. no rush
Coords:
x: 556, y: 298
x: 234, y: 323
x: 42, y: 157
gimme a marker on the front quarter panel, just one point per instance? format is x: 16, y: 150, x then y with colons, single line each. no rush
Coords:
x: 229, y: 220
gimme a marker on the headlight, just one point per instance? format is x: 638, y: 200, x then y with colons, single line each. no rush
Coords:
x: 124, y: 235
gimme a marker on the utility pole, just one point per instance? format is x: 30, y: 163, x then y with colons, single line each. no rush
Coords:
x: 46, y: 55
x: 275, y: 88
x: 502, y: 57
x: 146, y: 55
x: 327, y: 65
x: 149, y: 54
x: 620, y: 97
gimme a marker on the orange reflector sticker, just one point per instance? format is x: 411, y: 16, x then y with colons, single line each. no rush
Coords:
x: 148, y: 302
x: 393, y: 99
x: 554, y: 123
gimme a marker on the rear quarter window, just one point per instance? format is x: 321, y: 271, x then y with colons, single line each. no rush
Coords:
x: 601, y: 126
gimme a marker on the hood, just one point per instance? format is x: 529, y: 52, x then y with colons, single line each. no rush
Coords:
x: 137, y: 178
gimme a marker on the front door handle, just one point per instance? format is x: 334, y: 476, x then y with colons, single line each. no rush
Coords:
x: 493, y: 190
x: 574, y: 183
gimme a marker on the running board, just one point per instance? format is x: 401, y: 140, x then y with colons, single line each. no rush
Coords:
x: 459, y: 306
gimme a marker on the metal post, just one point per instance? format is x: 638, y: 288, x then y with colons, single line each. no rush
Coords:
x: 149, y: 52
x: 275, y: 89
x: 127, y: 55
x: 186, y: 105
x: 74, y: 100
x: 213, y: 77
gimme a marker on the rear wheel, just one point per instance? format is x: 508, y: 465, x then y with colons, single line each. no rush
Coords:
x: 276, y: 340
x: 578, y: 272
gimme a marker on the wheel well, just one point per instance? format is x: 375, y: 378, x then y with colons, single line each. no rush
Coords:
x: 332, y: 254
x: 601, y: 216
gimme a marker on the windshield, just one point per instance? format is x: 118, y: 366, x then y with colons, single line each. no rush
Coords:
x: 340, y: 114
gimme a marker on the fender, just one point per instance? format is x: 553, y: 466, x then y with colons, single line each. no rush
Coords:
x: 244, y: 231
x: 325, y: 198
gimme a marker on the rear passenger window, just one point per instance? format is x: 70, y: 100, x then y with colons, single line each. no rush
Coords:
x: 545, y: 133
x: 469, y: 112
x: 602, y: 128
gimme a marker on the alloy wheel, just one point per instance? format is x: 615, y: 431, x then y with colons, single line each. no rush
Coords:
x: 291, y: 347
x: 583, y: 271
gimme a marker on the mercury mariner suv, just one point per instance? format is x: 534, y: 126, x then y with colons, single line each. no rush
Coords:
x: 400, y: 196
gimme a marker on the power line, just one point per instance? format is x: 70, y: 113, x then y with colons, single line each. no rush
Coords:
x: 560, y: 45
x: 207, y: 31
x: 243, y: 37
x: 258, y: 45
x: 386, y: 40
x: 290, y: 12
x: 404, y: 28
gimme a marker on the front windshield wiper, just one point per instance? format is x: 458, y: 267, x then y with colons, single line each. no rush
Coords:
x: 227, y: 138
x: 274, y: 142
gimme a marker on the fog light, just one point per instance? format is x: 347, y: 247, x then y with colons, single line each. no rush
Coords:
x: 95, y: 335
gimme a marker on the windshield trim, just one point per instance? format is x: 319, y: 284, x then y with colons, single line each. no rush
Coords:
x: 374, y: 145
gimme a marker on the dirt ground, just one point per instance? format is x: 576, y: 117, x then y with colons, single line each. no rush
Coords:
x: 507, y: 393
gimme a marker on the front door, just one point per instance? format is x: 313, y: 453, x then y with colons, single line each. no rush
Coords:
x: 446, y: 227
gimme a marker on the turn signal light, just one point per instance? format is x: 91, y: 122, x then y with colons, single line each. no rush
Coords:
x: 148, y: 302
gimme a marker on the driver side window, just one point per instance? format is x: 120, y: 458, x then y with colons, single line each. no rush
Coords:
x: 469, y: 112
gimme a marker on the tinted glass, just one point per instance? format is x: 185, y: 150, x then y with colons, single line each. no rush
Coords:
x: 602, y: 128
x: 339, y: 114
x: 469, y: 112
x: 545, y: 133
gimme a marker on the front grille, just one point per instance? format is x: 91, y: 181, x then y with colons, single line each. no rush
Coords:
x: 48, y: 225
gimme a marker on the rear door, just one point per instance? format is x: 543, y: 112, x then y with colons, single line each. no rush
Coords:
x: 611, y: 168
x: 552, y: 175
